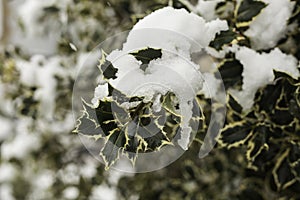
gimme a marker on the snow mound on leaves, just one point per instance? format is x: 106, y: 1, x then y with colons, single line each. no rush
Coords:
x: 178, y: 33
x: 192, y: 32
x: 258, y: 71
x: 270, y: 25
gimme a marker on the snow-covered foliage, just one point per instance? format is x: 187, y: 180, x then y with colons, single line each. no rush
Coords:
x: 161, y: 43
x: 258, y: 71
x: 253, y: 43
x: 271, y: 24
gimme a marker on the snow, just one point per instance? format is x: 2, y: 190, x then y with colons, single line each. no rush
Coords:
x: 206, y: 8
x: 101, y: 91
x: 22, y: 144
x: 6, y: 192
x: 89, y: 169
x: 270, y: 25
x: 6, y: 128
x: 70, y: 174
x: 33, y: 39
x: 186, y: 30
x: 7, y: 172
x: 258, y: 71
x: 103, y: 192
x: 71, y: 192
x: 40, y: 72
x: 46, y: 177
x: 211, y: 86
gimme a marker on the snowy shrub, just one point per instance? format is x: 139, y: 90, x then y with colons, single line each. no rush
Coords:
x: 157, y: 79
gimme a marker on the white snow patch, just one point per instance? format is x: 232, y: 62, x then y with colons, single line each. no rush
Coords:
x: 89, y: 169
x: 22, y: 144
x: 211, y: 86
x: 43, y: 180
x: 207, y: 9
x: 40, y: 72
x: 270, y: 25
x: 6, y: 128
x: 104, y: 192
x: 101, y: 91
x: 71, y: 193
x: 6, y: 192
x: 7, y: 172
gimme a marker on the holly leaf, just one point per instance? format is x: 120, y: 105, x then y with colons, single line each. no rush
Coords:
x: 234, y: 110
x: 88, y: 123
x: 146, y: 55
x: 231, y: 71
x: 235, y: 134
x: 282, y: 173
x: 115, y: 142
x: 247, y: 10
x: 106, y: 67
x: 223, y: 38
x: 258, y: 142
x: 128, y: 130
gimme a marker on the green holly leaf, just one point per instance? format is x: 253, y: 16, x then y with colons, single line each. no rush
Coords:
x: 146, y: 55
x: 247, y: 10
x: 223, y: 38
x: 115, y: 143
x: 235, y: 134
x: 258, y: 142
x: 231, y: 71
x: 282, y: 173
x: 234, y: 110
x: 106, y: 67
x: 266, y: 98
x: 88, y: 127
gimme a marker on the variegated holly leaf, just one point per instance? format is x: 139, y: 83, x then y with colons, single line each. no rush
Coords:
x: 294, y: 159
x: 223, y: 38
x: 114, y: 144
x: 282, y: 172
x: 247, y: 10
x: 146, y: 55
x: 106, y: 67
x: 258, y: 142
x: 236, y: 134
x: 234, y: 110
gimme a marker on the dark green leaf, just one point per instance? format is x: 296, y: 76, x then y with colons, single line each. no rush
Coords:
x: 146, y: 55
x: 111, y: 151
x: 108, y: 70
x: 235, y: 134
x: 248, y: 9
x: 282, y: 173
x: 51, y: 9
x: 267, y: 97
x: 258, y: 142
x: 106, y: 67
x: 231, y: 72
x: 223, y: 38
